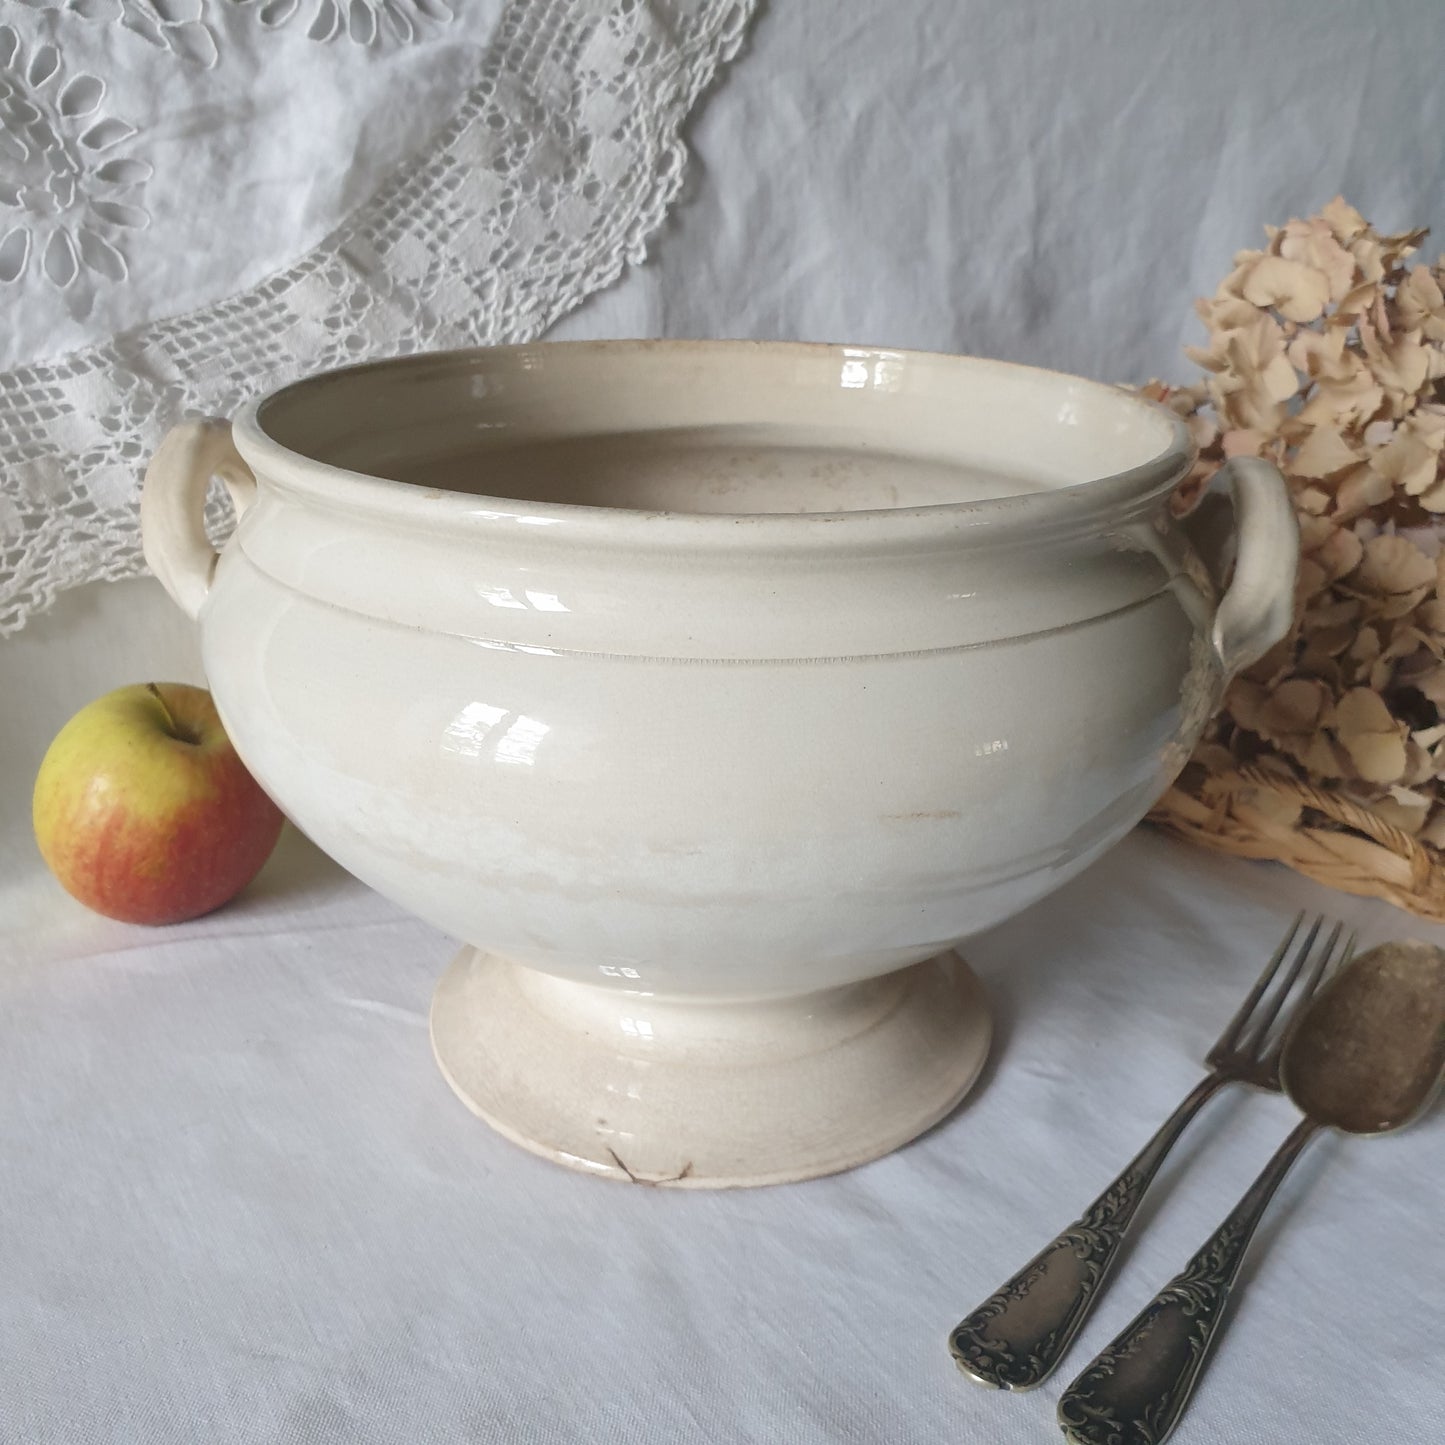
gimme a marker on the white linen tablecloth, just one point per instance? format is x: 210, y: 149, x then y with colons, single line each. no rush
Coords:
x: 240, y: 1204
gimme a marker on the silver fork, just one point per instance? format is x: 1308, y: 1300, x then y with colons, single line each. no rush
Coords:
x: 1014, y: 1338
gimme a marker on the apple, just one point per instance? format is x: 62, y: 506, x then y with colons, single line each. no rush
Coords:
x: 144, y: 811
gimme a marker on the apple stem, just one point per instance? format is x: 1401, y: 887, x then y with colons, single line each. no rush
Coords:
x: 155, y: 692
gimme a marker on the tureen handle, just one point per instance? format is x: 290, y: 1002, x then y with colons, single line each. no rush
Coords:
x: 1258, y: 607
x: 173, y: 504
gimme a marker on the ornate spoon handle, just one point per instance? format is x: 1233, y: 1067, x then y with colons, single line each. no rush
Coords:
x: 1014, y: 1338
x: 1136, y: 1390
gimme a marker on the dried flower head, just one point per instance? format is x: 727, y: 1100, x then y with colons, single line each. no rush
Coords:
x: 1326, y: 354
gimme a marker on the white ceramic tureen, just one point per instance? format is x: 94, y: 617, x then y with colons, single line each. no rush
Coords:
x: 712, y: 693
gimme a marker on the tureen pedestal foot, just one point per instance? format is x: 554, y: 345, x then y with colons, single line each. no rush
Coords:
x: 709, y: 1094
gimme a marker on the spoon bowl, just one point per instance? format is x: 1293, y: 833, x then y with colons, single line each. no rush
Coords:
x: 1367, y: 1056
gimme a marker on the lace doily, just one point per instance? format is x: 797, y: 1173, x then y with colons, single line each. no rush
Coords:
x: 562, y: 159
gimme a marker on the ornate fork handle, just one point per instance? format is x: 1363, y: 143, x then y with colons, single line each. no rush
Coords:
x: 1014, y: 1338
x: 1136, y: 1390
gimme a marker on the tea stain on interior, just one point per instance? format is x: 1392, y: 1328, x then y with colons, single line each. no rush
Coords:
x: 722, y: 471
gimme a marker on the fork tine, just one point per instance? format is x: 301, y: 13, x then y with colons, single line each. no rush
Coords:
x: 1260, y: 1031
x: 1324, y: 962
x: 1326, y: 957
x: 1230, y: 1037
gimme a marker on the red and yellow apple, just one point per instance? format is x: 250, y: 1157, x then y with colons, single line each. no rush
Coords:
x: 144, y: 811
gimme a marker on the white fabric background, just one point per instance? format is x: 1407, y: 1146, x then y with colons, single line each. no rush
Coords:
x: 1049, y: 182
x: 238, y: 1203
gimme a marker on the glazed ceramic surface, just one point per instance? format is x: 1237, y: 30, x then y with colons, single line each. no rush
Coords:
x: 702, y: 688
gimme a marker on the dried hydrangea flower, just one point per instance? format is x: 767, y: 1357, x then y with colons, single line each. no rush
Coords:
x: 1325, y: 353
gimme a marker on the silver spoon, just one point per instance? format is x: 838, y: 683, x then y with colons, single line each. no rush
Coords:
x: 1366, y: 1057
